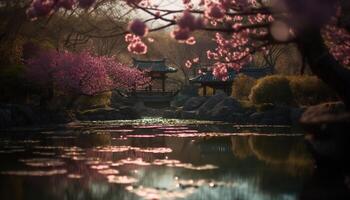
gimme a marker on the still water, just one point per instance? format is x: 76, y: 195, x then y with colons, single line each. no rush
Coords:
x: 153, y: 159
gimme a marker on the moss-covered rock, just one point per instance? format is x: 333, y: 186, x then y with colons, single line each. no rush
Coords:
x: 108, y: 114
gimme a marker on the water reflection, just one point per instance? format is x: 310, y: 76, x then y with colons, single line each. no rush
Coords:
x: 140, y: 160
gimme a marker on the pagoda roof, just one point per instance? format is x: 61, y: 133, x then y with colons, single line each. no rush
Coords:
x: 208, y: 76
x: 153, y: 65
x: 255, y: 72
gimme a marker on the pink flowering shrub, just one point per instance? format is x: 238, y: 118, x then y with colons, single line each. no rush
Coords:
x: 82, y: 73
x: 338, y: 41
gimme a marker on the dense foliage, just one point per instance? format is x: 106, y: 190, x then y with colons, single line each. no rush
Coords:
x: 298, y: 90
x: 309, y: 90
x: 242, y: 86
x: 243, y: 28
x: 253, y: 24
x: 271, y: 89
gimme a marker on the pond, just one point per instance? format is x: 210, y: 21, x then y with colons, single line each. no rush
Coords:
x: 153, y: 159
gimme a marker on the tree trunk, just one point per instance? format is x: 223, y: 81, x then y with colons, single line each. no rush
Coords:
x: 324, y: 65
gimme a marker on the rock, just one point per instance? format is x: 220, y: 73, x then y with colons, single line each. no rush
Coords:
x: 224, y: 113
x: 295, y: 115
x: 178, y: 113
x: 249, y: 111
x: 230, y: 103
x: 170, y: 114
x: 179, y: 100
x: 5, y: 118
x: 238, y: 118
x: 224, y: 109
x: 188, y: 114
x: 333, y: 112
x: 327, y: 127
x: 108, y: 114
x: 119, y: 99
x: 184, y: 95
x: 256, y: 117
x: 193, y: 103
x: 128, y: 112
x: 140, y: 107
x: 206, y: 107
x: 279, y: 115
x: 17, y: 115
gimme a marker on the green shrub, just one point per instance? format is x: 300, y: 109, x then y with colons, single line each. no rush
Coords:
x: 242, y: 86
x: 272, y: 89
x: 309, y: 90
x: 13, y: 87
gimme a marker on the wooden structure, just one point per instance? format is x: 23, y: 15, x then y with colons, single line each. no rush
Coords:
x: 207, y: 79
x: 156, y: 69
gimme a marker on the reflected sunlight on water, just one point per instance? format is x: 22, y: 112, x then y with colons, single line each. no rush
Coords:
x: 154, y: 159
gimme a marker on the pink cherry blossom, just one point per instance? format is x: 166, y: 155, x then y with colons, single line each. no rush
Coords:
x: 138, y: 28
x: 220, y: 71
x: 82, y: 73
x: 42, y: 7
x: 137, y: 47
x: 244, y: 35
x: 180, y: 34
x: 188, y: 64
x: 186, y: 1
x: 131, y: 37
x: 338, y: 42
x: 187, y: 20
x: 150, y: 40
x: 31, y: 13
x: 86, y: 3
x: 66, y: 4
x: 191, y: 41
x: 215, y: 11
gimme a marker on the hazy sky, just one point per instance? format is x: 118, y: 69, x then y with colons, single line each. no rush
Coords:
x: 165, y: 4
x: 170, y: 4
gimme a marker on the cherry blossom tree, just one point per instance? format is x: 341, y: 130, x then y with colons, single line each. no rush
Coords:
x: 320, y: 28
x: 82, y: 73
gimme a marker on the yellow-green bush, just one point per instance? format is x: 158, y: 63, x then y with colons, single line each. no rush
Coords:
x: 309, y: 90
x: 301, y: 90
x: 272, y: 89
x: 96, y: 101
x: 242, y: 86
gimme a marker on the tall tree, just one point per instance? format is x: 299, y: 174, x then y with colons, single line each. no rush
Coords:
x: 244, y: 27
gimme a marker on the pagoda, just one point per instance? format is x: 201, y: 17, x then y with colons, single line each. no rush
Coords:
x: 207, y: 79
x: 156, y: 69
